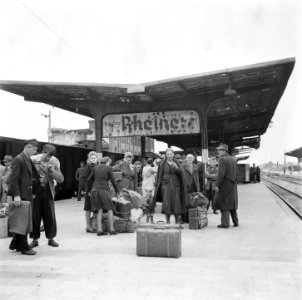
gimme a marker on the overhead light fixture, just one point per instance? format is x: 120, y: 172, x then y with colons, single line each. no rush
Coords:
x: 230, y: 91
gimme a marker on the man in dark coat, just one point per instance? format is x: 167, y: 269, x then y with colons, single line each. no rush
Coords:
x: 226, y: 186
x: 22, y: 186
x: 79, y: 176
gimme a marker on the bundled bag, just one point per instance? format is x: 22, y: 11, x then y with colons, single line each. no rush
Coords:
x: 197, y: 199
x: 122, y: 207
x: 136, y: 214
x: 136, y: 199
x: 124, y: 226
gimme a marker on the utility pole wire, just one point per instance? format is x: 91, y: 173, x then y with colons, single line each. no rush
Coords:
x: 48, y: 27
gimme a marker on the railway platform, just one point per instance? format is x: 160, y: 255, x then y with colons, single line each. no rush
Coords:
x: 260, y: 259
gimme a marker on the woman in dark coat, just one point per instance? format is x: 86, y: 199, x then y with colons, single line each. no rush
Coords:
x: 171, y: 188
x: 101, y: 197
x: 91, y: 163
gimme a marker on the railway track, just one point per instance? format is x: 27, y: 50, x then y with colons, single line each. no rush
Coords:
x: 290, y: 197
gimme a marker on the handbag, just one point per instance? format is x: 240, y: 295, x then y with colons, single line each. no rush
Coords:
x: 216, y: 202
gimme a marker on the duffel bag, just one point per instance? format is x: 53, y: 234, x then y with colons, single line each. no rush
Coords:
x: 197, y: 199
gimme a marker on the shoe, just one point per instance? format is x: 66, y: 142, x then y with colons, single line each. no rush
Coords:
x: 112, y: 232
x: 52, y: 243
x: 12, y: 246
x: 99, y: 233
x: 34, y: 244
x: 236, y: 225
x: 90, y: 230
x: 29, y: 252
x: 222, y: 226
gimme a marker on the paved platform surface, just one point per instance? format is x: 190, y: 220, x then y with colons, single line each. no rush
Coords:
x: 261, y: 259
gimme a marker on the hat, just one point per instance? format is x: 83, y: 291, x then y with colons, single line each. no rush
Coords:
x: 128, y: 154
x: 222, y: 146
x: 7, y: 158
x: 32, y: 142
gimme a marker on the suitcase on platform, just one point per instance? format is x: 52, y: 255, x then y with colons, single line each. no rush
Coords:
x: 198, y: 217
x: 158, y: 242
x: 3, y: 228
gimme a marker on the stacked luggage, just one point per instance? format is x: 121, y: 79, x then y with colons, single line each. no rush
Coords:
x: 198, y: 215
x: 128, y: 209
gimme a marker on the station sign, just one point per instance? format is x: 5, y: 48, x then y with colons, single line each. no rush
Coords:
x: 153, y: 123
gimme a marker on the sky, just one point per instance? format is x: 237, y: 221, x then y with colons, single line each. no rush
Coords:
x: 137, y: 41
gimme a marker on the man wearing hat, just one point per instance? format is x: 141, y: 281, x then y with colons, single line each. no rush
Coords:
x: 22, y: 188
x: 226, y: 198
x: 4, y: 176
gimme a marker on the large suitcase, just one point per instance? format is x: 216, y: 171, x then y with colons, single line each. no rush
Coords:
x: 198, y: 217
x: 158, y: 242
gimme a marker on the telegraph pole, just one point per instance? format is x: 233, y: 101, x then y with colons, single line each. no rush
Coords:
x: 49, y: 124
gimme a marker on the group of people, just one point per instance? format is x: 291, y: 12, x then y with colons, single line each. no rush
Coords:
x: 28, y: 192
x: 175, y: 181
x: 28, y: 183
x: 167, y: 180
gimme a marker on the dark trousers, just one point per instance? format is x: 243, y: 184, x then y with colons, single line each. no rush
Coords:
x: 44, y: 208
x: 81, y: 188
x: 19, y: 242
x: 210, y: 194
x: 225, y: 217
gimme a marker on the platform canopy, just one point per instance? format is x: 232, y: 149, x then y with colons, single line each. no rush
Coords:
x: 241, y: 101
x: 295, y: 153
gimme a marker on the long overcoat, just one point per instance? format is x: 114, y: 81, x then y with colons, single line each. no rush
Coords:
x: 192, y: 179
x: 227, y: 196
x: 158, y: 183
x: 24, y: 178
